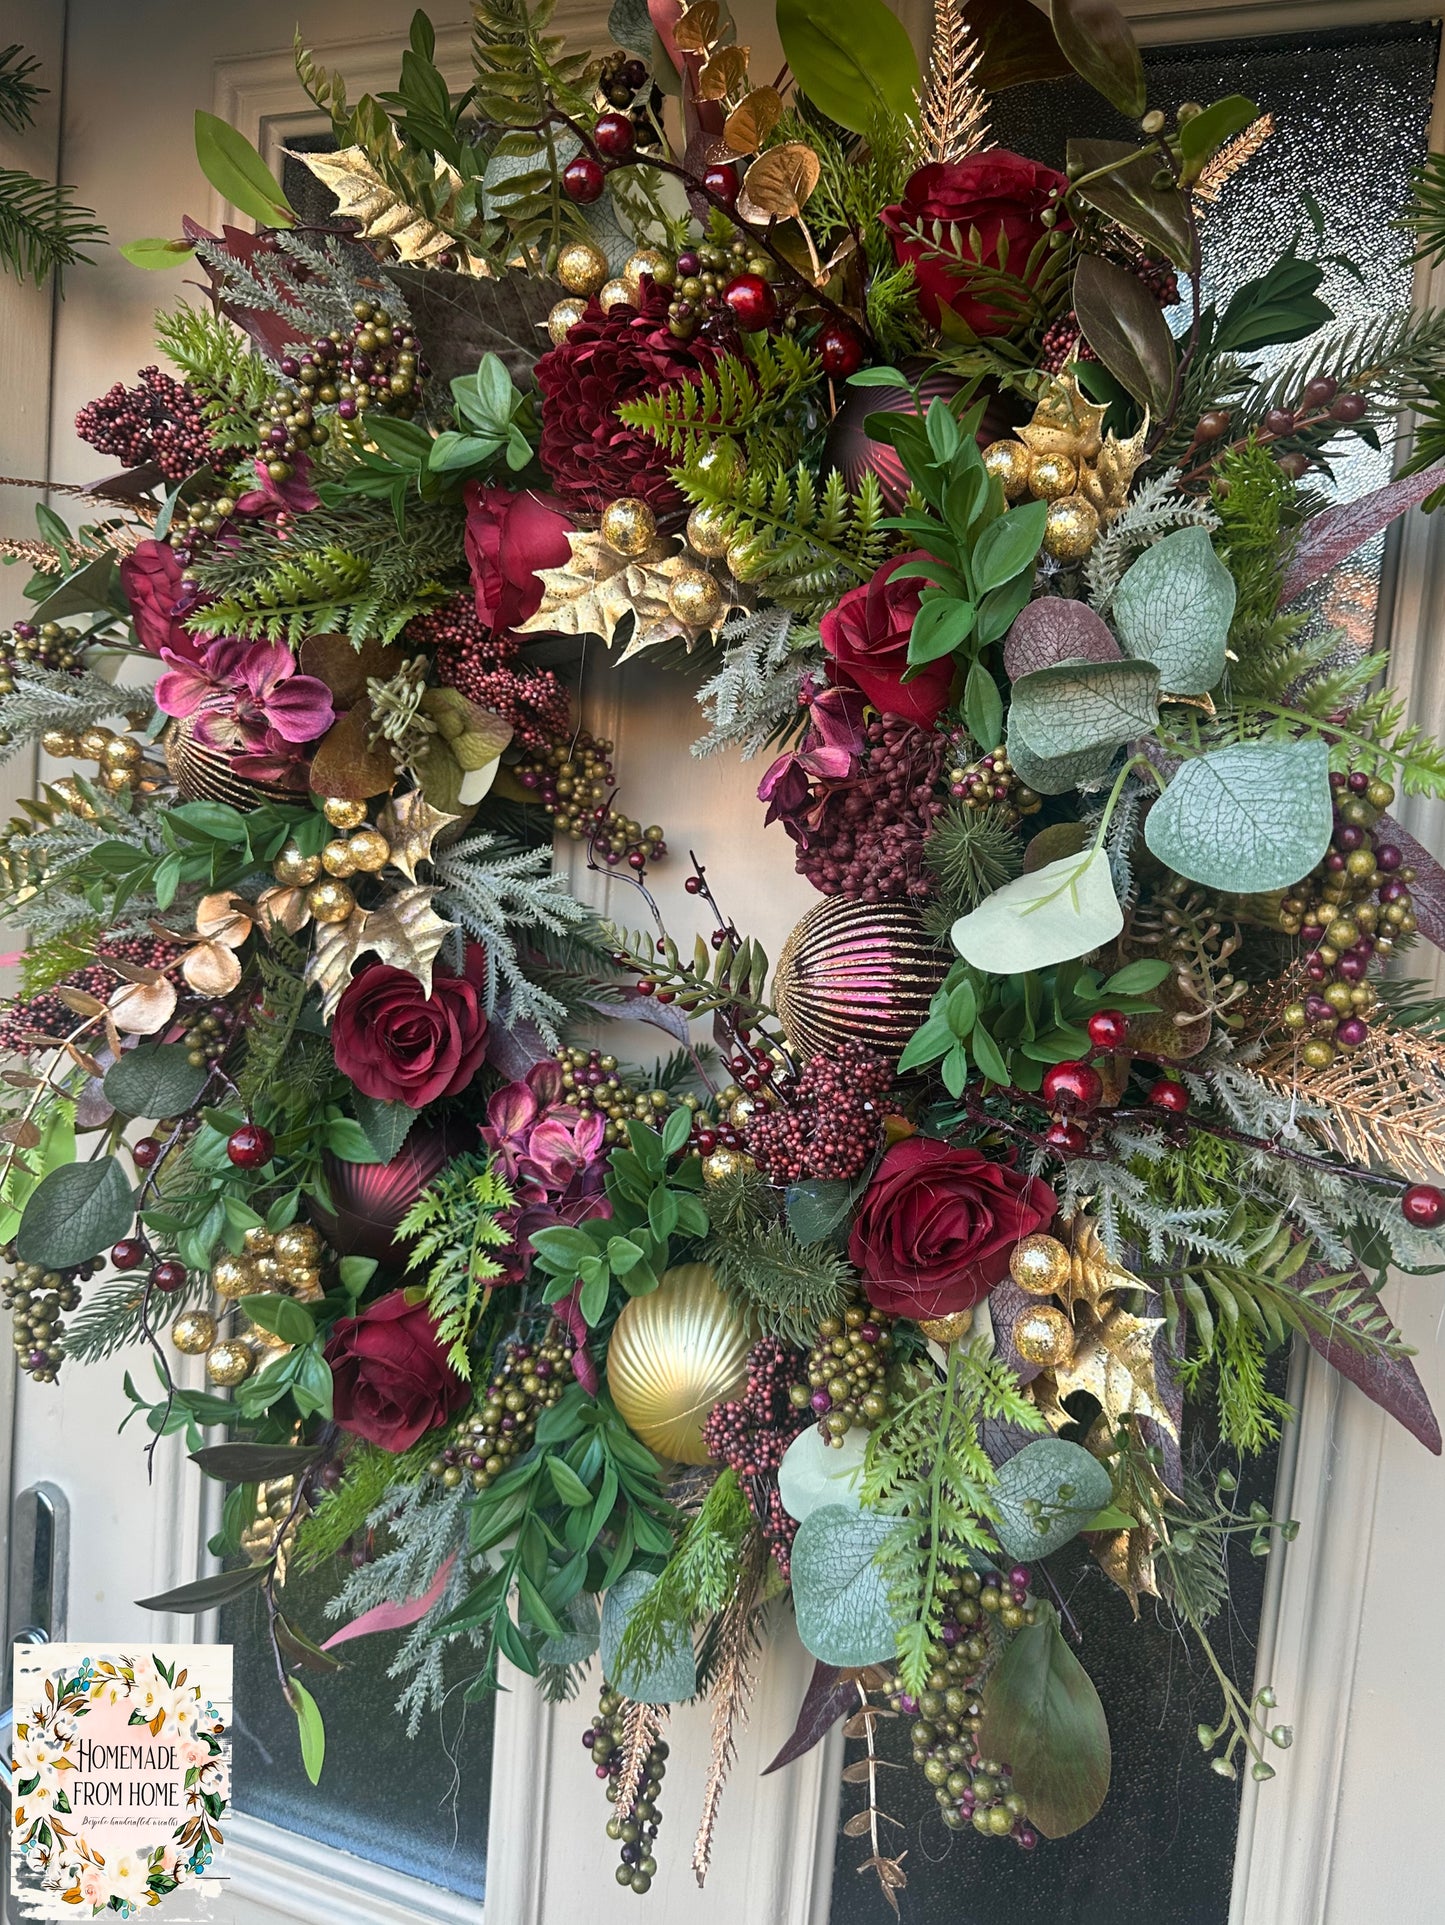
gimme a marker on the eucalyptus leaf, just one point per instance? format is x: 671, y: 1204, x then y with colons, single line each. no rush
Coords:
x: 672, y: 1678
x: 1054, y: 629
x: 1066, y: 909
x: 1042, y: 1713
x: 1251, y: 817
x: 814, y: 1472
x: 1173, y: 607
x: 1057, y: 774
x: 1084, y: 706
x: 1062, y: 1484
x: 156, y: 1079
x: 839, y: 1595
x: 855, y: 64
x: 75, y: 1213
x: 1123, y: 324
x: 580, y: 1634
x: 630, y: 26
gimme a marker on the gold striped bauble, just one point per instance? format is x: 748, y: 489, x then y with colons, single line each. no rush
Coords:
x: 672, y: 1356
x: 862, y: 972
x: 204, y: 774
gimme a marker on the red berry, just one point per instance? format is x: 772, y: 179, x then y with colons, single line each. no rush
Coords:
x: 1067, y: 1138
x: 128, y: 1253
x: 1072, y: 1086
x: 1423, y: 1205
x: 722, y: 183
x: 615, y: 136
x: 1108, y: 1029
x: 145, y: 1151
x: 1166, y: 1094
x: 168, y: 1276
x: 583, y: 179
x: 250, y: 1146
x: 840, y: 349
x: 753, y: 302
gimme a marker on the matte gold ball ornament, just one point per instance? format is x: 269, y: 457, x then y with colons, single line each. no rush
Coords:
x: 673, y: 1355
x: 695, y: 598
x: 1072, y: 528
x: 230, y: 1363
x: 1044, y: 1336
x: 629, y: 526
x: 582, y: 267
x: 1040, y: 1265
x: 563, y: 318
x: 193, y: 1332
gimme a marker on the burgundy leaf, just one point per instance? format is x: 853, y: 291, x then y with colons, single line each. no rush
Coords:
x: 1427, y: 891
x: 1391, y: 1382
x: 1053, y: 630
x: 830, y: 1696
x: 515, y: 1048
x: 1338, y: 532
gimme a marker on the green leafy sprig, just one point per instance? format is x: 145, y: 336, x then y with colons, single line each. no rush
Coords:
x: 455, y: 1223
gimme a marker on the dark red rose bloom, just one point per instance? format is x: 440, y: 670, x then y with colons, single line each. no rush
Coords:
x: 151, y: 577
x: 608, y: 358
x: 391, y: 1379
x: 866, y: 640
x: 1000, y: 195
x: 400, y: 1045
x: 509, y: 537
x: 936, y: 1226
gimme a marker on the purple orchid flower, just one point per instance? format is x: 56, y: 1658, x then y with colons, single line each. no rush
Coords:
x: 246, y: 696
x: 828, y: 752
x: 550, y: 1154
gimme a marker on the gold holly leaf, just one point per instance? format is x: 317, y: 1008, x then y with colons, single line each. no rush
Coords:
x: 1128, y: 1558
x: 1093, y: 1273
x: 363, y: 195
x: 1065, y: 421
x: 1114, y: 1362
x: 597, y: 587
x: 407, y: 933
x: 410, y: 825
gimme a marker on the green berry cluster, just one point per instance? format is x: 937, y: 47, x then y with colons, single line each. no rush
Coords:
x: 35, y: 1298
x: 498, y: 1430
x: 636, y: 1828
x: 846, y: 1372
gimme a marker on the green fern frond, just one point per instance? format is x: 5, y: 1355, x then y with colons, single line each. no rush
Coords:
x: 806, y: 543
x: 454, y: 1221
x: 746, y: 398
x: 318, y: 592
x: 237, y: 386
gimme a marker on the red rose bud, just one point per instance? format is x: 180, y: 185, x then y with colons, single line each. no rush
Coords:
x: 936, y: 1225
x: 866, y: 640
x: 398, y: 1044
x: 391, y: 1382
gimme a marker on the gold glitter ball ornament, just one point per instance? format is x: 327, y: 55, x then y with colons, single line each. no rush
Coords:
x: 230, y: 1362
x: 337, y: 859
x: 258, y: 1241
x: 94, y: 742
x: 293, y: 870
x: 707, y: 532
x: 719, y: 1165
x: 369, y: 850
x: 695, y: 598
x: 1040, y: 1265
x: 121, y: 753
x: 742, y: 1110
x: 298, y: 1245
x: 1072, y: 528
x: 614, y: 294
x: 1051, y: 476
x: 330, y: 901
x: 232, y: 1277
x: 673, y: 1355
x: 193, y: 1332
x: 60, y: 742
x: 1044, y: 1335
x: 1008, y: 462
x: 629, y: 526
x: 947, y: 1330
x: 653, y: 263
x: 564, y: 317
x: 342, y: 813
x: 582, y: 267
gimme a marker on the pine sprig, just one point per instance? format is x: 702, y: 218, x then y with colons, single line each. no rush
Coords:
x: 698, y: 1579
x: 490, y: 886
x: 368, y: 1473
x: 789, y: 1287
x: 927, y: 1467
x: 754, y: 695
x: 455, y: 1223
x: 43, y: 230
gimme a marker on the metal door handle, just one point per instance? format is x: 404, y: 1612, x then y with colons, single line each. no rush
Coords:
x: 38, y: 1594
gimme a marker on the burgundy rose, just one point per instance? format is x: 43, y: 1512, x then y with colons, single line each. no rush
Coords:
x: 997, y: 195
x: 936, y: 1225
x: 391, y: 1382
x: 398, y: 1044
x: 866, y: 640
x: 608, y: 358
x: 509, y: 537
x: 151, y: 577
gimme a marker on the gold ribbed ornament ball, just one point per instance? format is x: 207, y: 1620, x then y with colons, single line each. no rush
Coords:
x: 343, y: 813
x: 232, y: 1277
x: 615, y: 293
x: 293, y: 870
x: 230, y: 1363
x: 673, y: 1355
x: 863, y: 972
x: 695, y: 598
x: 193, y: 1332
x: 1009, y: 462
x: 582, y: 267
x: 563, y: 318
x: 629, y: 526
x: 1051, y: 476
x: 1072, y: 528
x: 707, y: 532
x: 1044, y: 1336
x: 1040, y: 1265
x: 330, y: 901
x: 947, y: 1330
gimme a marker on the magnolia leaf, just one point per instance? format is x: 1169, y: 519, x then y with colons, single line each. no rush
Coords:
x: 780, y: 182
x: 157, y: 1081
x: 253, y: 1463
x: 753, y: 119
x: 1066, y: 909
x: 1064, y: 1481
x: 1084, y: 706
x: 1173, y: 607
x: 238, y: 173
x: 1329, y: 536
x: 1042, y: 1713
x: 814, y: 1472
x: 674, y: 1675
x: 75, y: 1213
x: 1099, y: 45
x: 839, y: 1595
x: 206, y: 1592
x: 1220, y: 121
x: 1056, y: 629
x: 1251, y: 817
x: 1127, y: 194
x: 1016, y: 45
x: 855, y: 63
x: 1124, y: 325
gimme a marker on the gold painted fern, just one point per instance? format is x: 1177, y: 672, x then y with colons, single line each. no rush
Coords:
x: 455, y: 1223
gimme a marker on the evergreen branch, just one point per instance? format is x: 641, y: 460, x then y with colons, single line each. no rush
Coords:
x: 42, y: 229
x: 18, y: 92
x: 455, y: 1223
x: 789, y: 1287
x: 806, y: 543
x: 696, y: 1582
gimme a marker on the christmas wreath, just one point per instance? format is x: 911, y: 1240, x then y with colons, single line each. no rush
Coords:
x: 968, y: 1227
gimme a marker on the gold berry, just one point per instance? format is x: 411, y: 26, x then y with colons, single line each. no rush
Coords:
x: 1008, y: 462
x: 231, y: 1362
x: 1044, y: 1335
x: 708, y: 532
x: 342, y: 813
x: 232, y: 1277
x: 193, y: 1332
x: 293, y: 870
x: 1040, y: 1265
x: 369, y: 850
x: 614, y: 294
x: 1072, y: 528
x: 695, y: 598
x: 563, y: 317
x: 337, y: 859
x: 330, y: 901
x: 582, y: 267
x: 1051, y: 476
x: 629, y: 526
